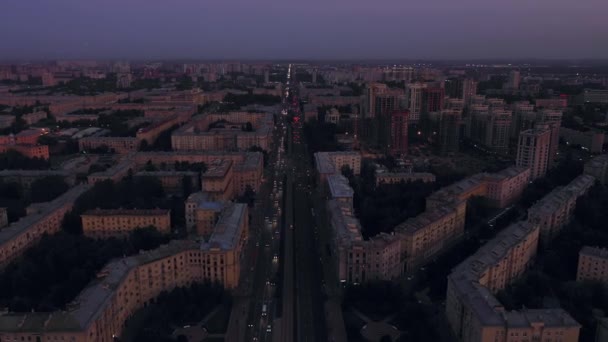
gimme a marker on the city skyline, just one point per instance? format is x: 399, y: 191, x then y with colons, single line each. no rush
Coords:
x: 268, y: 29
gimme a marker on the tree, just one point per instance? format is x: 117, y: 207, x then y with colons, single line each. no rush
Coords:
x: 187, y: 187
x: 47, y: 188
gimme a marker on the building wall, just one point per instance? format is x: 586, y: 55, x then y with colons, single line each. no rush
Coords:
x: 121, y: 145
x: 533, y: 151
x: 104, y: 224
x: 592, y: 264
x: 473, y: 312
x: 23, y: 234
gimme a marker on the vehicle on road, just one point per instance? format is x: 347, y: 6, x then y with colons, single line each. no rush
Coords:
x: 264, y: 310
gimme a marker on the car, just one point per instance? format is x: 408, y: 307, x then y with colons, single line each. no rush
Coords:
x: 269, y: 328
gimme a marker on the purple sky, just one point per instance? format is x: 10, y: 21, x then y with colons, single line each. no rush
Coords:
x: 266, y: 29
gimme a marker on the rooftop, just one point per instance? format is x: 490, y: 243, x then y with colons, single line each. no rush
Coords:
x: 217, y: 168
x: 227, y: 230
x: 594, y: 252
x: 126, y: 212
x: 339, y: 187
x: 25, y: 223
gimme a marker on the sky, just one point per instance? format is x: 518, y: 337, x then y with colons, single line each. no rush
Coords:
x: 305, y: 29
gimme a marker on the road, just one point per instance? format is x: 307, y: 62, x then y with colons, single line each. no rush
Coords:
x: 280, y: 295
x: 303, y: 313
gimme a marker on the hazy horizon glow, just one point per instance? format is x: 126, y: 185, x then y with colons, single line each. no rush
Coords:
x: 320, y: 29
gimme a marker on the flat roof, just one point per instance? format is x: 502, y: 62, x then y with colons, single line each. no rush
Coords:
x: 25, y: 223
x: 339, y: 187
x: 227, y: 230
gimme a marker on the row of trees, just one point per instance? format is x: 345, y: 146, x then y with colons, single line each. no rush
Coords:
x: 380, y: 300
x: 131, y: 192
x: 381, y: 208
x: 183, y: 305
x: 53, y: 272
x: 16, y: 198
x: 14, y: 160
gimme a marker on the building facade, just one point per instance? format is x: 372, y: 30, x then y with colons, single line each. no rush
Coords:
x: 474, y: 313
x: 103, y: 224
x: 533, y: 151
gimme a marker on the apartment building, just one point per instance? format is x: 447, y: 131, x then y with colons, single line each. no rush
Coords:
x: 202, y: 213
x: 592, y: 264
x: 247, y: 169
x: 328, y: 163
x: 121, y: 288
x: 506, y: 186
x: 155, y: 129
x: 398, y: 177
x: 598, y: 168
x: 122, y: 145
x: 533, y: 151
x: 30, y: 151
x: 235, y: 131
x: 555, y: 210
x: 32, y: 118
x: 47, y: 219
x: 25, y: 178
x: 222, y: 253
x: 103, y: 224
x: 426, y: 235
x: 359, y: 260
x: 474, y: 313
x: 115, y: 173
x: 217, y: 181
x: 125, y: 285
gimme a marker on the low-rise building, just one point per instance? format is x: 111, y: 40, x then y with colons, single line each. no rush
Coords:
x: 103, y: 224
x: 339, y: 189
x: 115, y: 173
x: 221, y: 254
x: 217, y: 181
x: 555, y: 210
x: 592, y: 264
x: 202, y: 213
x: 499, y: 189
x: 248, y: 167
x: 120, y: 145
x: 474, y: 313
x: 360, y: 260
x: 328, y: 163
x: 428, y: 234
x: 235, y: 131
x: 32, y: 118
x: 30, y: 151
x: 506, y: 186
x: 25, y: 178
x: 398, y: 177
x: 21, y: 235
x: 6, y: 121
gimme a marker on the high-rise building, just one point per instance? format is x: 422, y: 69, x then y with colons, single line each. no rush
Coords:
x: 454, y: 88
x: 450, y: 121
x: 523, y: 117
x: 372, y: 90
x: 432, y: 99
x: 513, y: 81
x: 386, y: 102
x: 399, y: 132
x: 533, y: 151
x: 413, y: 93
x: 489, y: 126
